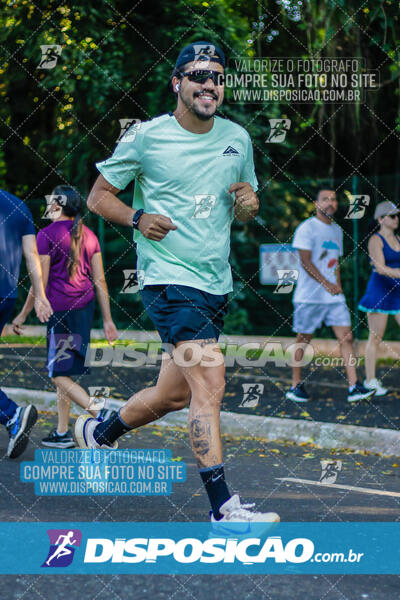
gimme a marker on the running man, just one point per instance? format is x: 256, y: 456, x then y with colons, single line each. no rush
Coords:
x: 62, y: 542
x: 17, y: 236
x: 179, y: 160
x: 318, y: 297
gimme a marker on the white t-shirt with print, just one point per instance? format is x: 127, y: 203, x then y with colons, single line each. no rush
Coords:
x: 326, y: 244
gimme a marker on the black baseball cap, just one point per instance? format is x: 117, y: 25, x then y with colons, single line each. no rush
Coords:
x: 198, y: 51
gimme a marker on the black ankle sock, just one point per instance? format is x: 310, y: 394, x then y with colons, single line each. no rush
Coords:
x: 108, y: 431
x: 216, y: 488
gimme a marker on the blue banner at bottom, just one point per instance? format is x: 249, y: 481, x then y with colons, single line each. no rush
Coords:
x: 195, y: 548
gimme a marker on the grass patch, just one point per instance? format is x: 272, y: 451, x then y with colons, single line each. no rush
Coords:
x: 41, y: 341
x: 33, y: 340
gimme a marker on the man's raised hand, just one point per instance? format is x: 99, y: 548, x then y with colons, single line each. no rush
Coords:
x: 246, y: 201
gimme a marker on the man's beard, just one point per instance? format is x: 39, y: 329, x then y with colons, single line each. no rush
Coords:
x: 200, y: 115
x: 326, y: 213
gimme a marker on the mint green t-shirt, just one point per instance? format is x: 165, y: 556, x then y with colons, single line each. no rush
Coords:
x: 184, y: 176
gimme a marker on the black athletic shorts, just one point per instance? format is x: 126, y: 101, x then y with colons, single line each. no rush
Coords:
x: 181, y: 313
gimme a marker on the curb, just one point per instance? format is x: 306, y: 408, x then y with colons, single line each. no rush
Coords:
x: 327, y: 347
x: 326, y: 435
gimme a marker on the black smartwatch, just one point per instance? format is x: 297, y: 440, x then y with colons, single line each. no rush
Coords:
x: 136, y: 217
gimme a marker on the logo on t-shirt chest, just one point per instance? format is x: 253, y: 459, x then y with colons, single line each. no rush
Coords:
x: 329, y: 253
x: 231, y: 151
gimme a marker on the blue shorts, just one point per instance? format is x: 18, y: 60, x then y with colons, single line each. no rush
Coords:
x: 68, y: 341
x: 182, y: 313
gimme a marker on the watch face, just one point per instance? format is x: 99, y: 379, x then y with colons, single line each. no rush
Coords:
x: 136, y: 217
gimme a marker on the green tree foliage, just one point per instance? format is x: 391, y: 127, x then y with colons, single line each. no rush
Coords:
x: 116, y: 61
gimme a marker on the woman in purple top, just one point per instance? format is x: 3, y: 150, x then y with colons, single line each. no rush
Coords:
x: 72, y: 270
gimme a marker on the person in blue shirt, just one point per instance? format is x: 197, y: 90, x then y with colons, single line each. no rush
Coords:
x: 17, y: 237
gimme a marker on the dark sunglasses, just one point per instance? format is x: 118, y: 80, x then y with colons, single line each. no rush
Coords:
x: 392, y: 216
x: 201, y: 76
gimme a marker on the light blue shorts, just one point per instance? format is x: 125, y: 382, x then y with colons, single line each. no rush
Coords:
x: 308, y: 317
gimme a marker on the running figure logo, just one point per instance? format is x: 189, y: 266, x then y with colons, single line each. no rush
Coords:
x: 54, y: 204
x: 62, y: 348
x: 251, y: 394
x: 50, y: 56
x: 133, y: 281
x: 357, y: 207
x: 129, y: 128
x: 204, y: 204
x: 286, y: 280
x: 200, y: 50
x: 63, y: 543
x: 279, y: 129
x: 330, y: 470
x: 203, y: 55
x: 98, y: 396
x: 64, y: 345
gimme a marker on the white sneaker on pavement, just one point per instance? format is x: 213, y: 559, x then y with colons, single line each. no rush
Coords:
x: 84, y: 428
x: 235, y: 512
x: 375, y: 384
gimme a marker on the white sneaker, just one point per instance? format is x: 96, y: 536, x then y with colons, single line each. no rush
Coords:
x: 234, y: 512
x: 84, y: 428
x: 375, y: 384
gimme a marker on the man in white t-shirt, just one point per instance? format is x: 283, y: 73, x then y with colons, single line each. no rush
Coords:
x: 318, y: 297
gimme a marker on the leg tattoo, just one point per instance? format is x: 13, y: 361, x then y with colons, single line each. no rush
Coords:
x: 200, y: 436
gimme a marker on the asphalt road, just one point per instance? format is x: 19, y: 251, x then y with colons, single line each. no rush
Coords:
x: 24, y: 367
x: 253, y: 470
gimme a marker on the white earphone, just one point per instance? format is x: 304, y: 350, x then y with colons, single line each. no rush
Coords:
x: 178, y: 85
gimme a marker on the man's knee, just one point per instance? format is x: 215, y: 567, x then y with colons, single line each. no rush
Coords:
x: 177, y: 398
x: 304, y: 338
x: 210, y: 385
x: 345, y: 338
